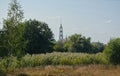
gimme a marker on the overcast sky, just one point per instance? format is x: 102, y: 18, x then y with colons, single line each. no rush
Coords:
x: 98, y: 19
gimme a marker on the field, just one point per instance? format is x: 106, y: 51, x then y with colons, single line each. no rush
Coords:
x: 58, y: 64
x: 87, y: 70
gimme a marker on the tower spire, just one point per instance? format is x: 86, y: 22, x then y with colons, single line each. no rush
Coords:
x: 61, y: 32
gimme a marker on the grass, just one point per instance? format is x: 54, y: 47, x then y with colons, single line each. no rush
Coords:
x: 61, y: 64
x: 63, y: 59
x: 12, y: 63
x: 84, y: 70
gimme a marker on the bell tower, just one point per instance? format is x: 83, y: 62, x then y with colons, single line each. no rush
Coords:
x: 61, y: 33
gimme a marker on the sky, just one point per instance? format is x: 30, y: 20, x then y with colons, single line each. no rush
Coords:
x: 98, y: 19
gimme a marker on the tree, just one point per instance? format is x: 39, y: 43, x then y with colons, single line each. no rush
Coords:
x: 112, y: 51
x: 97, y: 47
x: 78, y: 43
x: 14, y: 29
x: 59, y: 46
x: 39, y: 37
x: 3, y: 50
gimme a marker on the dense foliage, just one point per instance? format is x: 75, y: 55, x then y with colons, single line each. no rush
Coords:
x: 97, y: 47
x: 78, y: 43
x: 3, y: 49
x: 13, y: 41
x: 60, y: 46
x: 112, y: 51
x: 39, y: 37
x: 11, y: 63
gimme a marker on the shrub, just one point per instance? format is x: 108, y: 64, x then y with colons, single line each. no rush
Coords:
x: 62, y: 59
x: 12, y: 63
x: 112, y: 51
x: 9, y: 64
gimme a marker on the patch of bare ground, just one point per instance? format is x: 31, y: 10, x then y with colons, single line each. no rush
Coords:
x: 85, y: 70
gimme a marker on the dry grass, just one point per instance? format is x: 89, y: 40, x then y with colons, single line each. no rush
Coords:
x: 88, y: 70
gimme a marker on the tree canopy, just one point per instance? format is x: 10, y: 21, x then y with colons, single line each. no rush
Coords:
x: 97, y: 47
x: 78, y: 43
x: 39, y: 37
x: 13, y: 40
x: 112, y: 51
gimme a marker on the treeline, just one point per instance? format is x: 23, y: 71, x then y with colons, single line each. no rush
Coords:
x: 78, y: 43
x: 34, y: 37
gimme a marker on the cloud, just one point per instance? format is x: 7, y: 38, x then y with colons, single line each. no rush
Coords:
x: 108, y: 21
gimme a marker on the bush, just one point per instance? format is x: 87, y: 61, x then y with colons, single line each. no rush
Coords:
x: 78, y: 43
x: 9, y: 64
x: 112, y: 51
x: 59, y: 46
x: 62, y: 59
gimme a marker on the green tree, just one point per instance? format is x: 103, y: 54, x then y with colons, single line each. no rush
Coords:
x: 39, y: 37
x: 59, y: 46
x: 14, y: 42
x: 3, y: 50
x: 112, y: 51
x: 97, y: 47
x: 78, y: 43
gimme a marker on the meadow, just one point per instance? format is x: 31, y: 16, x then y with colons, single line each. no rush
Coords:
x: 65, y: 70
x: 11, y: 64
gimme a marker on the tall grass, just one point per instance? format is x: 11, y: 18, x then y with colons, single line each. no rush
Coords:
x: 11, y: 63
x: 63, y: 70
